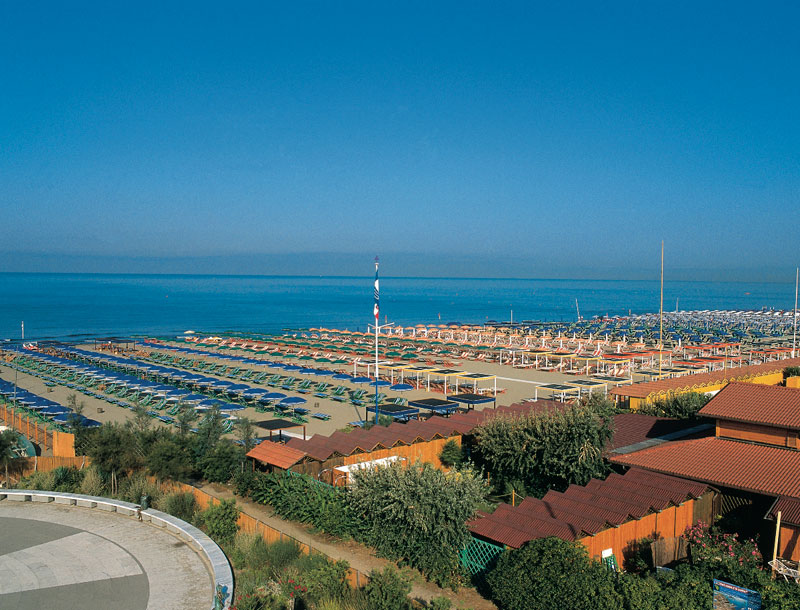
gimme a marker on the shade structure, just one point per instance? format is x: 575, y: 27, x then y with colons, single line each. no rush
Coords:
x: 398, y: 412
x: 229, y: 406
x: 361, y: 380
x: 437, y: 405
x: 472, y: 399
x: 380, y: 383
x: 401, y: 387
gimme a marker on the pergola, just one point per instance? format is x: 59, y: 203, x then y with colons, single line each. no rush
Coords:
x: 471, y: 400
x: 437, y: 405
x: 561, y: 390
x: 475, y: 378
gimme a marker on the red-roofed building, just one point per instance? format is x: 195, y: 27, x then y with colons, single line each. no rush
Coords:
x: 603, y: 515
x: 753, y: 458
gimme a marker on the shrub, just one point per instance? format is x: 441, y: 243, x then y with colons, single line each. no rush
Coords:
x: 451, y: 454
x: 93, y: 483
x: 680, y: 406
x: 440, y: 603
x: 220, y: 521
x: 135, y: 486
x: 281, y: 555
x: 328, y: 580
x: 791, y: 371
x: 417, y: 514
x: 179, y: 504
x: 219, y: 464
x: 301, y: 498
x: 549, y: 449
x: 387, y: 590
x: 43, y: 481
x: 244, y: 481
x: 552, y: 573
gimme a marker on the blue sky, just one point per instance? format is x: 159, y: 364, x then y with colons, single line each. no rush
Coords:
x: 515, y: 140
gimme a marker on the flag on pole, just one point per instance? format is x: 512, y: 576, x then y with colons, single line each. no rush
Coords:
x: 376, y: 308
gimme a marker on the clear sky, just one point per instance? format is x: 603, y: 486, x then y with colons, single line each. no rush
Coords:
x: 507, y: 139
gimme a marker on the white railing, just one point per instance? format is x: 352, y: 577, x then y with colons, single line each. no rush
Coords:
x: 216, y: 560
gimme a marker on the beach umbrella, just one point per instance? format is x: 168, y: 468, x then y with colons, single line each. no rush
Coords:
x: 292, y: 401
x: 401, y: 387
x: 361, y: 380
x: 54, y: 410
x: 380, y: 383
x: 229, y: 406
x: 343, y: 377
x: 273, y: 396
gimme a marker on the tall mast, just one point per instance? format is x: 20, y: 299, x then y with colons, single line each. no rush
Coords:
x: 794, y: 329
x: 661, y: 314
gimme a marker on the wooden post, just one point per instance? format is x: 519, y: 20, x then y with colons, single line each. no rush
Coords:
x: 777, y: 540
x: 513, y: 497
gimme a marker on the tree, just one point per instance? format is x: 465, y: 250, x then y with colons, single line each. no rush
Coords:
x: 549, y: 449
x: 221, y: 462
x: 8, y: 440
x: 791, y: 371
x: 417, y: 514
x: 168, y: 458
x: 185, y: 419
x: 451, y: 454
x: 246, y: 432
x: 112, y: 449
x: 552, y: 573
x: 209, y: 432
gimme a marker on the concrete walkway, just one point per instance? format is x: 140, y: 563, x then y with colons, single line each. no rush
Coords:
x: 55, y: 556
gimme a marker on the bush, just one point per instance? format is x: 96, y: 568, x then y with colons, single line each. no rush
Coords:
x: 93, y: 483
x: 550, y: 449
x: 179, y: 504
x: 417, y: 514
x: 244, y: 480
x: 387, y: 590
x: 301, y: 498
x: 43, y: 481
x: 451, y: 454
x: 791, y: 371
x: 440, y: 603
x: 328, y: 580
x: 135, y: 486
x: 552, y: 573
x: 681, y: 406
x: 220, y: 521
x: 219, y: 464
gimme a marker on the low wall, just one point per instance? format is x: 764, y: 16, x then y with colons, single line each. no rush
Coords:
x: 218, y: 565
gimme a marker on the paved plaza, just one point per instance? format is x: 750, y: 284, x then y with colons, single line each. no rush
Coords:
x: 65, y: 557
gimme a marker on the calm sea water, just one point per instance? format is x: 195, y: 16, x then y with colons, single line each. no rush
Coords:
x: 73, y: 305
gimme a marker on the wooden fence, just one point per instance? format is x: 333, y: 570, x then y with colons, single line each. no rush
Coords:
x: 61, y: 443
x: 23, y: 467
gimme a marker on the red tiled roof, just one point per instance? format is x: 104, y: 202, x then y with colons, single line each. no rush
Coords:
x: 789, y: 509
x: 582, y: 511
x: 276, y: 454
x: 740, y: 465
x: 755, y: 403
x: 688, y: 382
x: 632, y: 428
x: 384, y: 437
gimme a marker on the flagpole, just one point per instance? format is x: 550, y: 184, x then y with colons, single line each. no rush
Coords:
x: 794, y: 330
x: 661, y: 314
x: 377, y: 320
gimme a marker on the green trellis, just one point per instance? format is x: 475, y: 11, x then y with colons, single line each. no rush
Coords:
x: 478, y: 556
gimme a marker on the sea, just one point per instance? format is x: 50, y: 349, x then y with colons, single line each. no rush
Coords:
x: 74, y: 306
